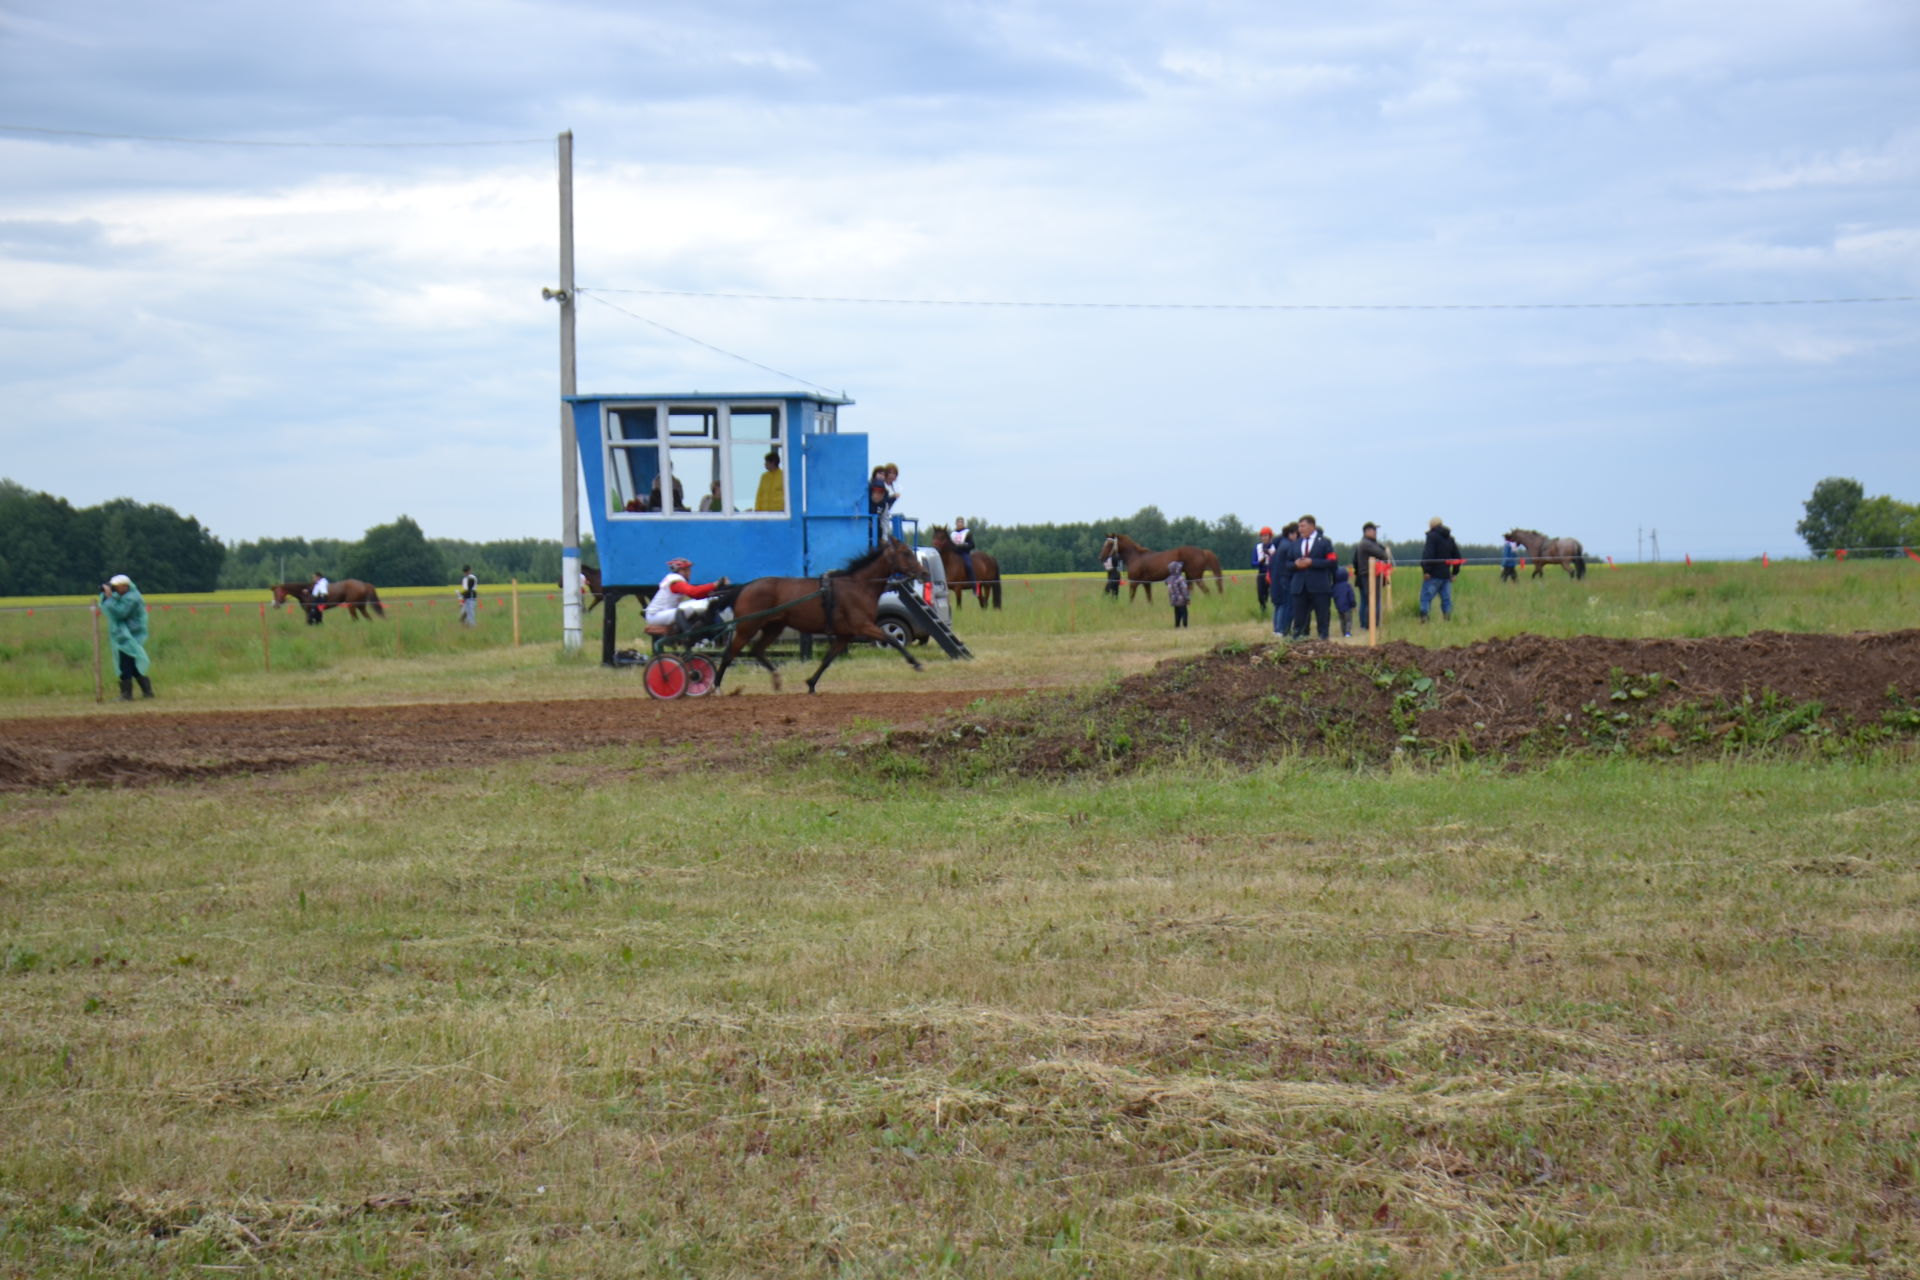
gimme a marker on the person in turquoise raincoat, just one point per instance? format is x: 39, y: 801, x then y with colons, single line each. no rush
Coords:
x: 126, y: 616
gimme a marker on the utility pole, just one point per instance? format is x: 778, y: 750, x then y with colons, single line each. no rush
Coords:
x: 1639, y: 542
x: 1653, y: 540
x: 569, y: 447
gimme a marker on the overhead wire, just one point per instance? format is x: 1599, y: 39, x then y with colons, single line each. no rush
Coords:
x: 265, y: 142
x: 1255, y: 306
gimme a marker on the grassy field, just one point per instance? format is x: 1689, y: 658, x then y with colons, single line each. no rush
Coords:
x: 222, y: 651
x: 606, y: 1014
x: 1610, y: 1019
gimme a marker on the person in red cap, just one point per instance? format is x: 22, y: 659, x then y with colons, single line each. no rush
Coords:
x: 663, y: 610
x: 1262, y: 557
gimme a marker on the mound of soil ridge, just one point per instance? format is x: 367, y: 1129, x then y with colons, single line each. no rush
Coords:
x: 1516, y: 696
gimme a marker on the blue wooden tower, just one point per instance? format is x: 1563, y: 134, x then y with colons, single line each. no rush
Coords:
x: 686, y: 475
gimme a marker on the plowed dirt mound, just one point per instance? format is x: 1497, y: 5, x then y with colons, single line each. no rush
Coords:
x: 1520, y: 696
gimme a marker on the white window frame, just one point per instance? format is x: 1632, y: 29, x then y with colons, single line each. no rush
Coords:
x: 663, y: 410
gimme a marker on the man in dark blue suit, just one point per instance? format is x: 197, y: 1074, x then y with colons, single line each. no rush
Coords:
x: 1313, y: 566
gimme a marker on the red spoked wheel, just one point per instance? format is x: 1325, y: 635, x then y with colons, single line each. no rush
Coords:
x: 665, y: 677
x: 700, y: 675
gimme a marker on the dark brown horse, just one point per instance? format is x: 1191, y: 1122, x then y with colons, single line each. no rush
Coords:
x: 985, y: 583
x: 843, y: 606
x: 1144, y: 567
x: 355, y: 595
x: 1543, y: 551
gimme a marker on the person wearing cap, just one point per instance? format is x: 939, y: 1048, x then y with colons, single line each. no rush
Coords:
x: 663, y: 610
x: 126, y: 615
x: 1262, y: 558
x: 1365, y: 552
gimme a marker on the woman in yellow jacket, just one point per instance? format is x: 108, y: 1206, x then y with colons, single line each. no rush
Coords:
x: 772, y: 494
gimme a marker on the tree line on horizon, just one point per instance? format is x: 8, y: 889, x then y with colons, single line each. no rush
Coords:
x: 50, y: 547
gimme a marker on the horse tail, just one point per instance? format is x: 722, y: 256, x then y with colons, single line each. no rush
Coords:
x: 995, y: 584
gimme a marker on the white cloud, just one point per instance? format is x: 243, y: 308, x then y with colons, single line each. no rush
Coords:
x: 276, y: 308
x: 1855, y: 166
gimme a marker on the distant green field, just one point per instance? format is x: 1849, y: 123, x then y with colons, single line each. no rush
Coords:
x: 204, y: 644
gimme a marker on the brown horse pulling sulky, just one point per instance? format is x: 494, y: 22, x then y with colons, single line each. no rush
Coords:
x: 843, y: 605
x: 1144, y: 567
x: 985, y: 583
x: 1543, y: 551
x: 355, y: 595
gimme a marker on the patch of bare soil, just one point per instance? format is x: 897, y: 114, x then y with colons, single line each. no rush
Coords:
x: 1519, y: 697
x: 142, y: 747
x: 1522, y: 696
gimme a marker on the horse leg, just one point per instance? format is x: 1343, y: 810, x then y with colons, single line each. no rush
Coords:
x: 759, y: 652
x: 834, y: 650
x: 873, y: 632
x: 735, y: 643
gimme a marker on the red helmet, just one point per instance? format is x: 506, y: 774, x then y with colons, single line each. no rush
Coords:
x: 679, y: 565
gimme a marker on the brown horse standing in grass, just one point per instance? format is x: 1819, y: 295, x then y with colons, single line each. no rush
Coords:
x: 1144, y: 567
x: 356, y: 595
x: 985, y: 582
x: 1543, y: 551
x: 843, y: 605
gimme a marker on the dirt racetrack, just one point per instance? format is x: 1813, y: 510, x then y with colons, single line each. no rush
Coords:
x: 1513, y: 696
x: 159, y: 746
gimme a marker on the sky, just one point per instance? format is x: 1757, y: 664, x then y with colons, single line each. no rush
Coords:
x: 318, y: 306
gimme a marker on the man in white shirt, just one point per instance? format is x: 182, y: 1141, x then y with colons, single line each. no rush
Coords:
x: 665, y: 607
